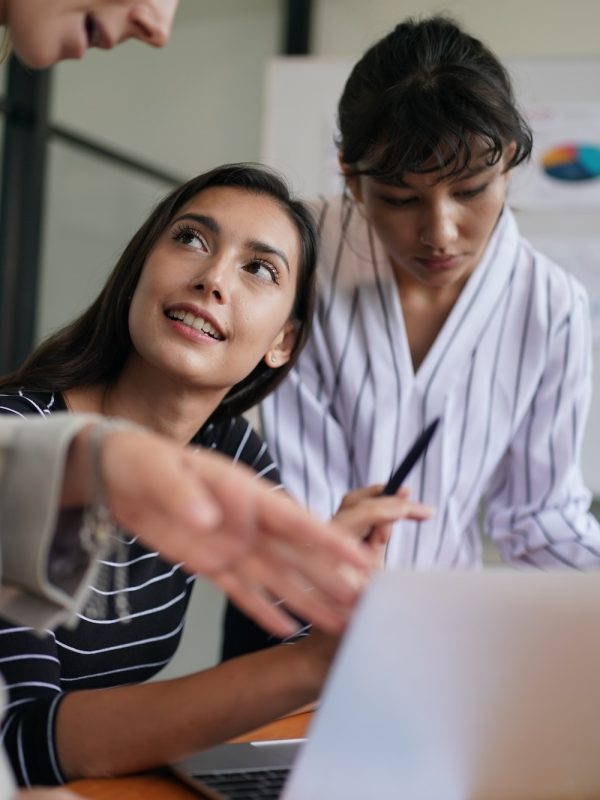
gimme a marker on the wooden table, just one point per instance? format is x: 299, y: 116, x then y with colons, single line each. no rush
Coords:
x: 160, y: 785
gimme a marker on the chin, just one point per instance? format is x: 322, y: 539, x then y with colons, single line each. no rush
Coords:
x: 37, y: 59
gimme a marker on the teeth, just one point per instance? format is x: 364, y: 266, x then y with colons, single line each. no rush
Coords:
x: 198, y: 323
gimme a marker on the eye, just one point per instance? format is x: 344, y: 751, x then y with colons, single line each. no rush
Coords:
x: 468, y: 194
x: 190, y: 236
x: 263, y: 270
x: 398, y: 202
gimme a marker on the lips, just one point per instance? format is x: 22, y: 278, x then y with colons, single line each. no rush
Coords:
x: 197, y: 320
x: 447, y: 262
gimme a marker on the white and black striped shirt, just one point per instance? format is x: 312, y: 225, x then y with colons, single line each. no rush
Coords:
x: 39, y: 670
x: 509, y: 374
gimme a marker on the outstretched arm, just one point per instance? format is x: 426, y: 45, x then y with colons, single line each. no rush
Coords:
x: 199, y: 508
x: 52, y: 735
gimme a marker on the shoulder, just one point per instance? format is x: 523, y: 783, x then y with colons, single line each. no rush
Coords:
x: 24, y: 402
x: 563, y: 294
x: 237, y: 439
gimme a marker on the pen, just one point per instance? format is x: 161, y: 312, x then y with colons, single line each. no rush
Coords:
x: 408, y: 462
x: 411, y: 458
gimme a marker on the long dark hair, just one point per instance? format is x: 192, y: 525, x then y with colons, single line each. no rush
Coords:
x: 421, y: 97
x: 94, y: 348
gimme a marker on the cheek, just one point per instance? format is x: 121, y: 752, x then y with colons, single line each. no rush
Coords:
x: 397, y: 234
x: 486, y: 217
x: 140, y: 305
x: 133, y: 318
x: 36, y: 48
x: 258, y: 326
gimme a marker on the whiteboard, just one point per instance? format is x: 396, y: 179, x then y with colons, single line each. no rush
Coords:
x: 298, y: 139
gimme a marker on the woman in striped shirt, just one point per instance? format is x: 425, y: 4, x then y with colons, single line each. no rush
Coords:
x: 202, y: 315
x: 431, y: 304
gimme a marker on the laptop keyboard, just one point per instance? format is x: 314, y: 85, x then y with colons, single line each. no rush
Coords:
x: 247, y: 785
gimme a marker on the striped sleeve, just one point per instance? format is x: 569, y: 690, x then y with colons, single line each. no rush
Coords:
x: 41, y: 670
x: 29, y: 665
x: 539, y: 512
x: 31, y: 670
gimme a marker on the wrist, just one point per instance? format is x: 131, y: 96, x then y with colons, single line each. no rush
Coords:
x: 316, y: 654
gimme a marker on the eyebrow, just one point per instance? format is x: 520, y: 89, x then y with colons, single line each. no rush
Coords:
x: 202, y: 219
x: 263, y: 247
x: 253, y: 244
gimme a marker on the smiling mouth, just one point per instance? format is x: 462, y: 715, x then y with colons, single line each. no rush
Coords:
x: 96, y: 36
x: 197, y: 323
x: 91, y: 31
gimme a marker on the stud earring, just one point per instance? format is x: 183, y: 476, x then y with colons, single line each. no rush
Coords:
x: 273, y: 359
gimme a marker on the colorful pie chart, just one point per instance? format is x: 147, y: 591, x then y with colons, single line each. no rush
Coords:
x: 572, y: 162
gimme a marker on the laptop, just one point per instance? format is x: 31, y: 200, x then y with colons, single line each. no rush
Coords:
x: 448, y: 686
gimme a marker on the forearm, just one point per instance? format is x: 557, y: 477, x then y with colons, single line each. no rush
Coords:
x: 563, y: 533
x: 132, y: 728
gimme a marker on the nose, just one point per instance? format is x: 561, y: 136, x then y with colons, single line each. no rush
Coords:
x: 438, y: 227
x: 152, y: 21
x: 212, y: 281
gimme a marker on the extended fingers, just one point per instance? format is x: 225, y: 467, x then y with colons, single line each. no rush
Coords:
x: 254, y: 601
x: 351, y: 498
x: 373, y: 511
x: 300, y: 593
x: 283, y: 519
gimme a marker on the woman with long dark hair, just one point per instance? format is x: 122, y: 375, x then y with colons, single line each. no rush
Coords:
x: 203, y: 315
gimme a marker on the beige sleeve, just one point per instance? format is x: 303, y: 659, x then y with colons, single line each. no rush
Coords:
x: 33, y: 453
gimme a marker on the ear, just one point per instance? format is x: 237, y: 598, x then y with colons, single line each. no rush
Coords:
x: 352, y: 181
x: 280, y: 351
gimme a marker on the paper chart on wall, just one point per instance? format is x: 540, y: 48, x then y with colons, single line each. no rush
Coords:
x: 580, y: 256
x: 564, y: 170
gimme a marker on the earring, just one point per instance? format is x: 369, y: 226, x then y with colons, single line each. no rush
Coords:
x: 273, y: 359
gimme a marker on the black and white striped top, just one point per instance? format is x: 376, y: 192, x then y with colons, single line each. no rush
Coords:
x: 39, y: 670
x: 509, y: 374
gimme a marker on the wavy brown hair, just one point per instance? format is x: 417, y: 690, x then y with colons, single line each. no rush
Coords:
x: 93, y: 349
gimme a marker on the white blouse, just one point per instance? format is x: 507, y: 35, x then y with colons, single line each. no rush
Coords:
x: 509, y: 374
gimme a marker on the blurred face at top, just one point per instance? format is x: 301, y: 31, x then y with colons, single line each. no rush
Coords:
x: 435, y: 226
x: 43, y: 32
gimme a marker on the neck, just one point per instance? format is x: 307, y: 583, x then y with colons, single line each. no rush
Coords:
x: 430, y: 295
x: 154, y: 401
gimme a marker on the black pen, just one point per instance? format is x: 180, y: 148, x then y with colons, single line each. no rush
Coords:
x: 408, y: 462
x: 414, y: 454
